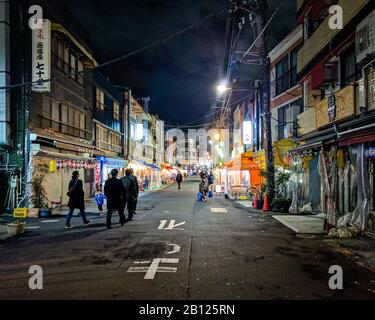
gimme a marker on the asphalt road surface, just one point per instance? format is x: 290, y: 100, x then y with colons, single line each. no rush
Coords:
x: 176, y: 248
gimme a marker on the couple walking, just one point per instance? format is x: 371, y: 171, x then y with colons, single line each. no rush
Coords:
x: 121, y: 193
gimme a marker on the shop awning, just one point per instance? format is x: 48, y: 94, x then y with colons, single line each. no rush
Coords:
x: 357, y: 136
x: 307, y: 146
x: 243, y: 164
x: 149, y: 165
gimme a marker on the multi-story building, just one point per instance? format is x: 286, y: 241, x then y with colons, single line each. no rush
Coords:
x: 335, y: 68
x: 50, y: 119
x: 286, y: 100
x: 146, y: 136
x: 109, y: 124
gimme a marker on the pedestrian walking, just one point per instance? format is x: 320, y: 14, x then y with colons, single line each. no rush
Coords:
x: 134, y: 177
x: 179, y: 179
x: 115, y: 193
x: 99, y: 198
x: 211, y: 181
x: 203, y: 187
x: 76, y: 200
x: 146, y: 183
x: 130, y: 188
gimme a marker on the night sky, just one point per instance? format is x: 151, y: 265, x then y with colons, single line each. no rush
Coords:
x: 181, y: 75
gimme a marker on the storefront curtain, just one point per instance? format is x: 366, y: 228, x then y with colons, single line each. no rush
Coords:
x: 328, y: 173
x: 359, y: 216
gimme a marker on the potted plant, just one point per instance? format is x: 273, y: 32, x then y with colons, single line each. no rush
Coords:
x: 282, y: 201
x: 39, y: 198
x: 15, y: 228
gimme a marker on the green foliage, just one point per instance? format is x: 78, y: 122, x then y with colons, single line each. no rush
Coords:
x: 281, y: 181
x: 39, y: 196
x: 281, y: 204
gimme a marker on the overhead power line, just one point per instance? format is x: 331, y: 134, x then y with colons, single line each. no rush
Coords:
x: 262, y: 32
x: 130, y: 54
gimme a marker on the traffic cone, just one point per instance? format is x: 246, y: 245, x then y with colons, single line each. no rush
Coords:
x: 265, y: 205
x: 255, y: 200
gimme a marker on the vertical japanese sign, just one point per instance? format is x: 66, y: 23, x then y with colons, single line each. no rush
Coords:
x: 246, y: 133
x: 41, y: 58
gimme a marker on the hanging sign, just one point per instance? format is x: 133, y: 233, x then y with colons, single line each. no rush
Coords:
x: 331, y: 108
x: 41, y: 58
x: 370, y: 152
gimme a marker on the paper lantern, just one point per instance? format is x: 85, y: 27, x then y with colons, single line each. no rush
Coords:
x: 52, y: 166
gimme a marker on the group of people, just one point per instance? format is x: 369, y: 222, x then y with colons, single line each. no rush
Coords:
x: 206, y: 184
x: 120, y: 194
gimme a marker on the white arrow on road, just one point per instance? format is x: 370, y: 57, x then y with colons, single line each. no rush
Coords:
x: 172, y: 225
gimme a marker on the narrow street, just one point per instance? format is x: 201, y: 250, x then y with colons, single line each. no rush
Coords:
x: 183, y: 249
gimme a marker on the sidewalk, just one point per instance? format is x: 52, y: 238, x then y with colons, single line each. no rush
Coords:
x: 360, y: 250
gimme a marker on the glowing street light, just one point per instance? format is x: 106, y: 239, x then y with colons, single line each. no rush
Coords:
x: 222, y: 87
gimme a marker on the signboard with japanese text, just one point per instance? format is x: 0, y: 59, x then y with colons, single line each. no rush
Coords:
x: 41, y: 58
x: 335, y: 108
x: 247, y: 133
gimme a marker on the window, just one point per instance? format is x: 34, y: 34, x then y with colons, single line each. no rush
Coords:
x: 72, y: 70
x: 55, y: 115
x: 64, y: 118
x: 99, y: 99
x: 282, y: 122
x: 65, y: 59
x: 371, y: 86
x: 80, y: 72
x: 293, y: 67
x: 348, y: 67
x: 115, y: 140
x: 282, y: 76
x: 116, y: 110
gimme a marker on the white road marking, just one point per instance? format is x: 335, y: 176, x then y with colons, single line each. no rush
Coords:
x: 219, y: 210
x: 172, y: 225
x: 155, y: 267
x: 33, y: 227
x: 166, y: 211
x: 50, y: 221
x: 176, y: 249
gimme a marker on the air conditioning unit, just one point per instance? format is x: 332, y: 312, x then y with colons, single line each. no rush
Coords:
x: 365, y: 39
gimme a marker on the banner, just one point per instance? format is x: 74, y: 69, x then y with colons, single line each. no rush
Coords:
x: 41, y: 58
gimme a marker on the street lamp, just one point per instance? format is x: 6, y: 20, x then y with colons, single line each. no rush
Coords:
x: 222, y: 87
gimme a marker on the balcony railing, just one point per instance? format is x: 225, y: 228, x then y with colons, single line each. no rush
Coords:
x: 108, y: 146
x: 44, y: 122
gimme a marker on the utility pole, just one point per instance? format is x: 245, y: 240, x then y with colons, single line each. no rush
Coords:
x: 263, y: 47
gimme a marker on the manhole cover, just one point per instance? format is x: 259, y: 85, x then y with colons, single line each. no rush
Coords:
x: 306, y: 236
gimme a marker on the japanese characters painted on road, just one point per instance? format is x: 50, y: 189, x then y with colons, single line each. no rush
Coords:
x: 154, y: 267
x: 172, y: 225
x: 41, y: 58
x: 154, y: 264
x: 176, y: 249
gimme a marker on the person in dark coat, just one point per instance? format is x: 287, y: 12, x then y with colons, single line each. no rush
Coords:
x: 130, y: 193
x: 134, y: 177
x: 114, y: 191
x: 76, y: 200
x: 179, y: 179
